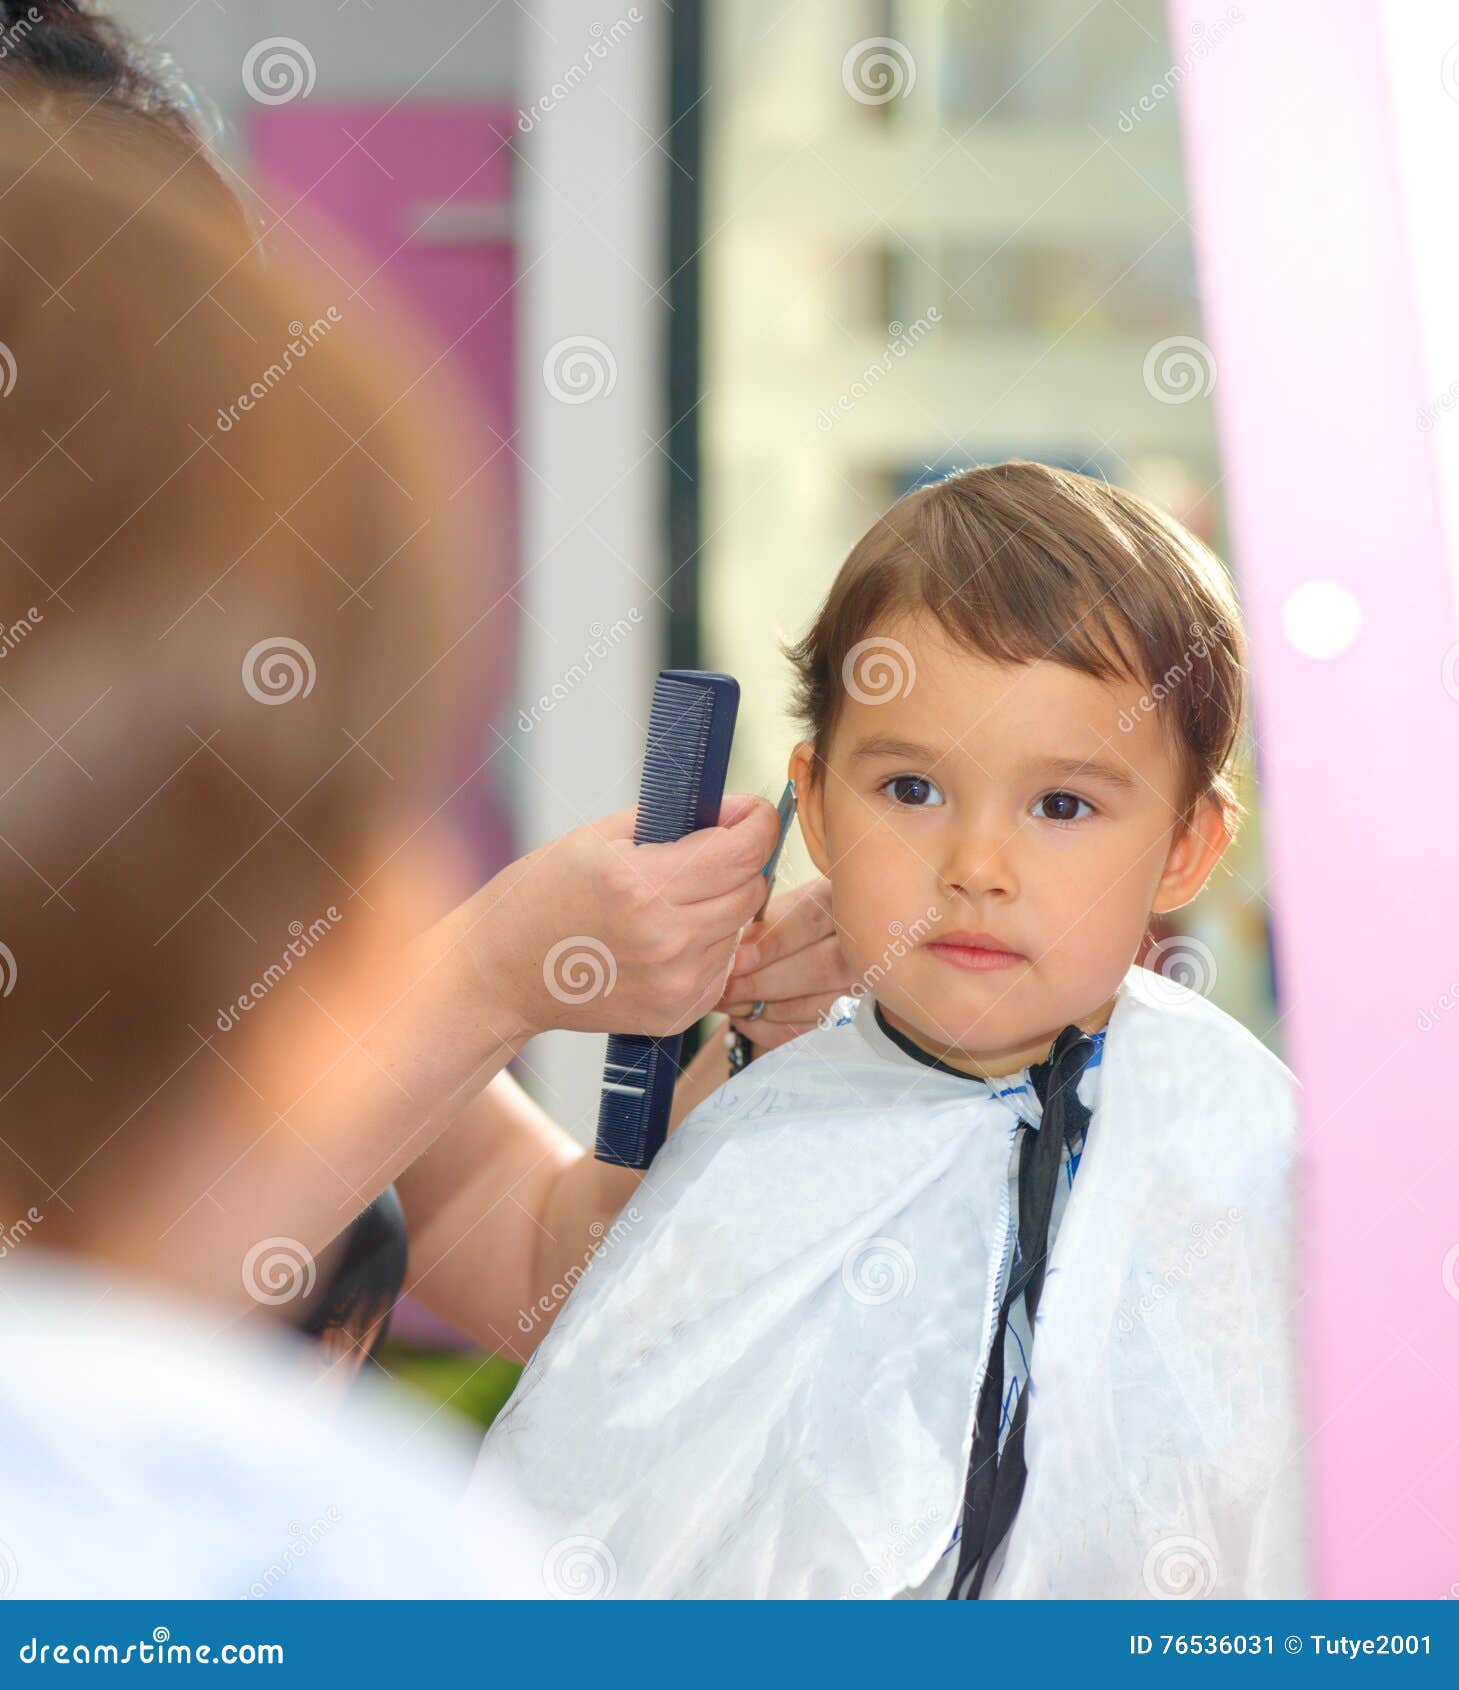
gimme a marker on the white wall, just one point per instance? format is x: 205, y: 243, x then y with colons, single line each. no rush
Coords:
x: 593, y: 185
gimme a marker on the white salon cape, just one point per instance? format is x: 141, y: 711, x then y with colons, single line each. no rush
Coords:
x: 764, y: 1385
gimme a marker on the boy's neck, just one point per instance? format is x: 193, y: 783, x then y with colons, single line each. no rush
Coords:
x: 993, y: 1064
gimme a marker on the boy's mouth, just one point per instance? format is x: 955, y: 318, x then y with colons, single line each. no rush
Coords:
x: 978, y: 951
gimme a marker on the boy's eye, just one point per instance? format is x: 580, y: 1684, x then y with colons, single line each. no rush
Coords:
x: 912, y: 791
x: 1066, y: 807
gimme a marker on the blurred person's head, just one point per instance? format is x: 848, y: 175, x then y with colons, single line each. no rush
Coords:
x: 231, y: 589
x: 60, y: 57
x: 73, y: 47
x: 1023, y: 699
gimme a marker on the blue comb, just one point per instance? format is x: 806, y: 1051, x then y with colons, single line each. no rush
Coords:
x: 691, y: 725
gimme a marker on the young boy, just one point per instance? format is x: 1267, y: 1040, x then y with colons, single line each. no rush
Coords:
x: 983, y: 1288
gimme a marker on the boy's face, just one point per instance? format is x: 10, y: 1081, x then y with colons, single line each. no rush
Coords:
x: 944, y: 811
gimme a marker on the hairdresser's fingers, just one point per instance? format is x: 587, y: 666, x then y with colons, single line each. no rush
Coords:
x: 674, y: 961
x: 793, y: 951
x: 594, y: 934
x: 734, y: 807
x: 794, y: 920
x: 817, y: 971
x: 782, y: 1010
x: 713, y: 860
x: 727, y: 917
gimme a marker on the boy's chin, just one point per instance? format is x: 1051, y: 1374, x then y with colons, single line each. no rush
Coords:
x: 971, y: 1019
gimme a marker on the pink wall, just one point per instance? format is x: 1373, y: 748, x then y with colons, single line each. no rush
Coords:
x: 1310, y: 315
x: 423, y: 194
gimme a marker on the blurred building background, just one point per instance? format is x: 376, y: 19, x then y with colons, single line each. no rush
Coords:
x: 727, y: 279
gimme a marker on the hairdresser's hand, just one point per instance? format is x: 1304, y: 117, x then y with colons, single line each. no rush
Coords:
x: 792, y: 960
x: 596, y: 934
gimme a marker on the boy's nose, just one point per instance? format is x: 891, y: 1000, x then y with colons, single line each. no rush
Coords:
x: 979, y: 864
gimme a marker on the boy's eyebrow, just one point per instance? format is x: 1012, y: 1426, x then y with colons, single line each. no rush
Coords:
x: 1066, y: 768
x: 1087, y: 768
x: 884, y: 746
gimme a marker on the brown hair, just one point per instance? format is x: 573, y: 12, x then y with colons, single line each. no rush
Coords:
x: 237, y: 595
x: 1020, y: 561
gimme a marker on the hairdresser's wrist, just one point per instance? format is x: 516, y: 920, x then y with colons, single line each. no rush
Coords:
x: 499, y: 968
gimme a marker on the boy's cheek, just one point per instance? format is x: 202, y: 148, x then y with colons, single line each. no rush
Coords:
x: 881, y: 911
x: 1090, y: 947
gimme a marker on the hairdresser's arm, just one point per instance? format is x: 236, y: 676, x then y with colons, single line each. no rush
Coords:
x: 417, y: 1045
x: 506, y: 1208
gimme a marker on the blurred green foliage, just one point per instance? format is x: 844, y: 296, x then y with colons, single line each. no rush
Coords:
x: 471, y: 1385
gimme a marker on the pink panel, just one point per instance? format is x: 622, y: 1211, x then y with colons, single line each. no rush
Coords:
x: 1310, y: 316
x: 423, y: 194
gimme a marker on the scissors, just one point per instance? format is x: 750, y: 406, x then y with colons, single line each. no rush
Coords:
x: 735, y: 1042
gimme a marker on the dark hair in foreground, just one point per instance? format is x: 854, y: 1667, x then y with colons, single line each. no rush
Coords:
x: 66, y: 45
x: 58, y: 57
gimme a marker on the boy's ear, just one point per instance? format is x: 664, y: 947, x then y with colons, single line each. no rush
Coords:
x: 1196, y: 851
x: 808, y: 805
